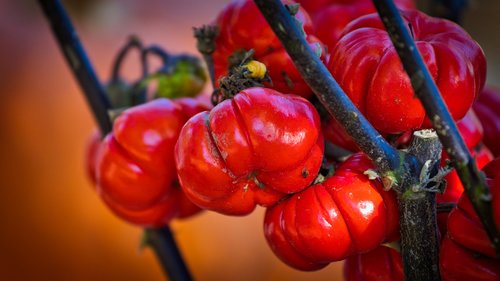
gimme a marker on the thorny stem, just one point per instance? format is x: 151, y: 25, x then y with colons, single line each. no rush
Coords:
x: 417, y: 214
x: 161, y: 238
x: 327, y: 90
x: 428, y: 93
x: 418, y: 209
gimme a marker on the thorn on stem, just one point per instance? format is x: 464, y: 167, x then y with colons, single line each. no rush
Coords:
x: 411, y: 30
x: 293, y: 9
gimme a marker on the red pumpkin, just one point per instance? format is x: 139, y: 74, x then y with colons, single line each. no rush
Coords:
x: 367, y: 67
x: 250, y: 150
x: 347, y: 214
x: 330, y: 17
x: 383, y: 263
x: 486, y: 108
x: 135, y: 167
x: 243, y: 28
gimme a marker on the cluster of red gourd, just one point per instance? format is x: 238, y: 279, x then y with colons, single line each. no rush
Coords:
x: 170, y: 159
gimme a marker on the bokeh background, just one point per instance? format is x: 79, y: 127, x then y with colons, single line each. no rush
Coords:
x: 52, y: 224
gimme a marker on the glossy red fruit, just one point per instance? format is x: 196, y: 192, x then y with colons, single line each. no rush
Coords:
x: 487, y: 110
x: 471, y: 131
x: 367, y: 67
x: 464, y: 226
x: 345, y: 215
x: 243, y: 28
x: 458, y: 263
x: 313, y: 7
x: 330, y: 17
x: 383, y: 263
x: 492, y: 170
x: 192, y: 106
x: 466, y: 252
x: 136, y: 174
x: 454, y: 187
x: 91, y: 149
x: 335, y: 133
x: 252, y: 149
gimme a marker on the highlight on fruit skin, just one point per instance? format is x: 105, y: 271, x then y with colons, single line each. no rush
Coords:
x: 367, y: 67
x: 253, y: 149
x: 133, y: 167
x: 345, y: 215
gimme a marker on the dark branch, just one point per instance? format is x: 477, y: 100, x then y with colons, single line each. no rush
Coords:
x: 160, y: 239
x: 326, y: 88
x: 78, y: 61
x: 133, y: 43
x: 428, y: 93
x: 157, y: 51
x: 417, y: 214
x: 163, y: 244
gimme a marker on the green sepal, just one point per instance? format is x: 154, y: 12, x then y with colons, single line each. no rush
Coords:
x: 184, y: 77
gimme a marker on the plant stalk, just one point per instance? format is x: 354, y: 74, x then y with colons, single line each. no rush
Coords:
x: 328, y: 91
x: 133, y: 43
x: 417, y: 214
x: 426, y: 90
x: 417, y: 208
x: 161, y: 240
x: 78, y: 61
x: 163, y: 244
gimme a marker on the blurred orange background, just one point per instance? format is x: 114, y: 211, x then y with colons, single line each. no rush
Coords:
x: 54, y: 227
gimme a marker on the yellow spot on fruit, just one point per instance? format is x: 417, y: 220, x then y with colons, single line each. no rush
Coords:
x: 255, y: 69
